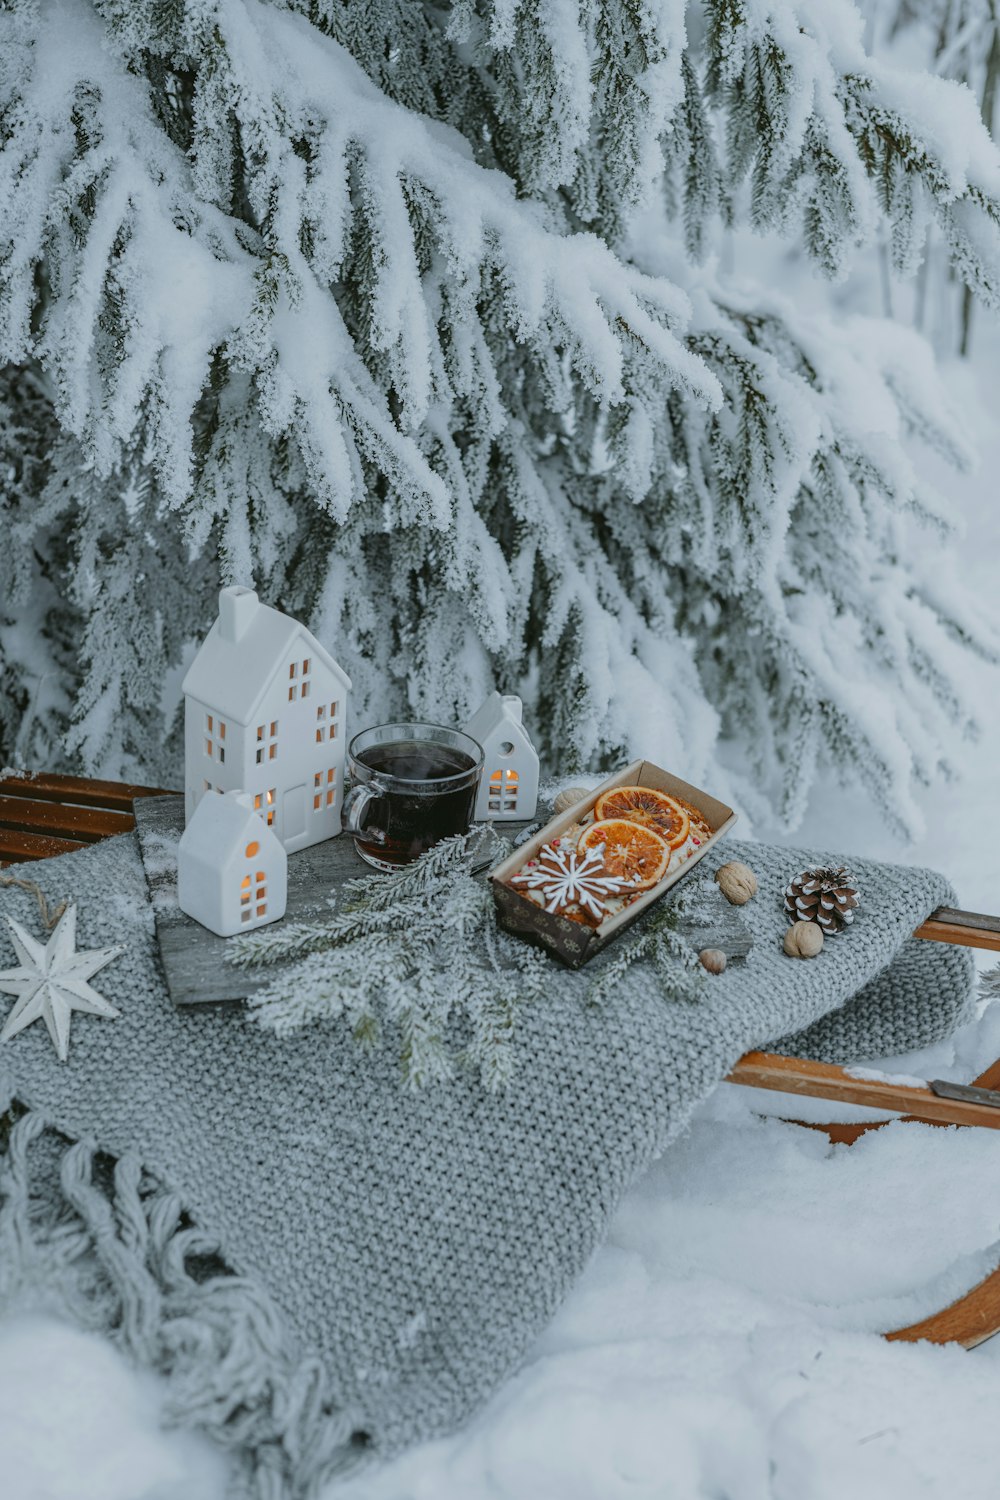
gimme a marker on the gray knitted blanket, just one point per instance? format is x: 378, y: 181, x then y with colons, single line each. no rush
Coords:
x: 327, y: 1267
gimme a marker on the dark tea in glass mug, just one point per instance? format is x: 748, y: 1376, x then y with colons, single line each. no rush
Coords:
x: 411, y: 786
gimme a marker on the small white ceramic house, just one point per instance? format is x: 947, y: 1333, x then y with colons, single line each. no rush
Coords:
x: 509, y: 787
x: 265, y: 712
x: 232, y: 870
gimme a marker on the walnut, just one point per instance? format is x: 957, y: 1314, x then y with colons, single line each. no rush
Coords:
x: 568, y: 798
x: 712, y: 959
x: 803, y: 940
x: 737, y: 882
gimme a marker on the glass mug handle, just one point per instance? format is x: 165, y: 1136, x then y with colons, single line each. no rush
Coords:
x: 357, y: 799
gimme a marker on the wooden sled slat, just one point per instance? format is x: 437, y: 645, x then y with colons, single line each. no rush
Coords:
x: 971, y: 929
x: 970, y: 1320
x: 16, y: 847
x: 85, y: 824
x: 76, y: 790
x: 795, y: 1075
x: 949, y: 925
x: 44, y: 815
x: 975, y: 1317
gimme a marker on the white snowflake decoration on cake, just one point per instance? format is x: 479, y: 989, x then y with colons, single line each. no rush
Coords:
x: 563, y: 876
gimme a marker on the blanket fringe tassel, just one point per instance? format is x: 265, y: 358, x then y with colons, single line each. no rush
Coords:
x: 103, y: 1243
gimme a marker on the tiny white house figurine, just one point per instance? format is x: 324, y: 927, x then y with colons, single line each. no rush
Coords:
x: 264, y: 712
x: 509, y: 785
x: 232, y: 870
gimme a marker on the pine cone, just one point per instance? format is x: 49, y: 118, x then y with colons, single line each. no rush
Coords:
x: 823, y: 894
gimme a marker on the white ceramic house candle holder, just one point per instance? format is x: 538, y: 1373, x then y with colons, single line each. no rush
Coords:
x: 509, y: 786
x: 265, y: 712
x: 232, y: 869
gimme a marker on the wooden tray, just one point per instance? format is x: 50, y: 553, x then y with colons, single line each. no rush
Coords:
x: 194, y: 959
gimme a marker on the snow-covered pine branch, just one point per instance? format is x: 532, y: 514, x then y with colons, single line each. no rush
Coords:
x: 417, y: 951
x: 828, y: 136
x: 353, y: 301
x: 809, y: 551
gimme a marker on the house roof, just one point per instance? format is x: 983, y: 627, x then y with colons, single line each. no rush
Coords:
x: 495, y: 713
x: 219, y: 825
x: 232, y: 676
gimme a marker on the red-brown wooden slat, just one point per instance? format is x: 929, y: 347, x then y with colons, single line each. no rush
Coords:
x: 15, y: 847
x: 796, y: 1075
x: 78, y: 790
x: 86, y: 824
x: 962, y: 933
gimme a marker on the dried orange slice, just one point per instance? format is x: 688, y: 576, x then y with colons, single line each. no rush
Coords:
x: 643, y: 804
x: 632, y: 851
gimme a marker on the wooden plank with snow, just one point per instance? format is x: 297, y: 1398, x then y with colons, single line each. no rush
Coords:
x: 194, y: 959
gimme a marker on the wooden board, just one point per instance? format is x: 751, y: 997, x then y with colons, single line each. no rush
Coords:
x: 194, y: 963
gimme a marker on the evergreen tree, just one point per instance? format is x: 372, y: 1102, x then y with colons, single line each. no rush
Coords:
x: 411, y: 315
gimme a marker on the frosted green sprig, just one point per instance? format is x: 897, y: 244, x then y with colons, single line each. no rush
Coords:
x: 418, y: 951
x: 659, y: 941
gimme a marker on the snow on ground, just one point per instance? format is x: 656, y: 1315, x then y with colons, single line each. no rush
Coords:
x: 722, y: 1344
x: 77, y: 1423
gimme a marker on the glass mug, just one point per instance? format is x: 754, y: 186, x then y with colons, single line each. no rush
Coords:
x: 411, y: 786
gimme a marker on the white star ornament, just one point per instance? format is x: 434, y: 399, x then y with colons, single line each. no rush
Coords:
x: 52, y: 981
